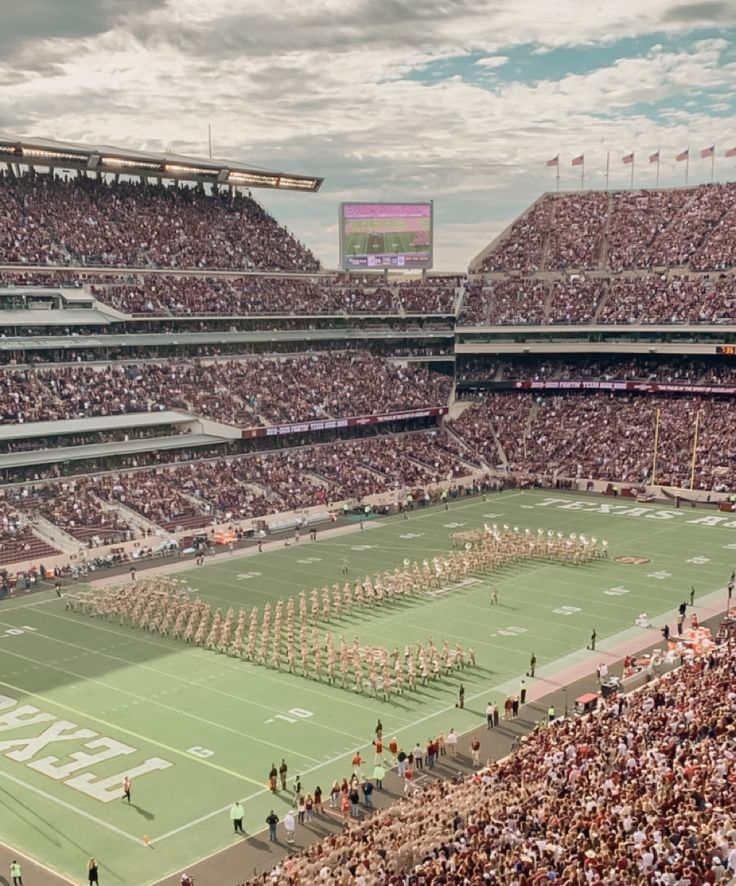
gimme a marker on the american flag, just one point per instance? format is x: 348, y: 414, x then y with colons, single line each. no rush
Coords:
x: 555, y: 161
x: 708, y: 152
x: 654, y: 158
x: 628, y: 158
x: 683, y: 155
x: 578, y: 161
x: 731, y: 152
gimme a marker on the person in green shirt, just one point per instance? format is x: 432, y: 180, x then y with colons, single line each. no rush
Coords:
x: 16, y: 873
x: 379, y: 773
x: 237, y: 814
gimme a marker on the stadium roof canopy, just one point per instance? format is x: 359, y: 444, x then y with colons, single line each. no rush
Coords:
x: 122, y: 161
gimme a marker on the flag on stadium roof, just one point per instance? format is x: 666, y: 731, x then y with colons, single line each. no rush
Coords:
x: 731, y: 152
x: 555, y: 161
x: 708, y: 152
x: 578, y: 161
x: 628, y: 158
x: 683, y: 155
x: 654, y: 158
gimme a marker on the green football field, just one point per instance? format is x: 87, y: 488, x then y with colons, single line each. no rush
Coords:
x: 85, y: 701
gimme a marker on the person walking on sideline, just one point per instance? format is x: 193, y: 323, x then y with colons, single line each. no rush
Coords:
x: 522, y: 690
x: 126, y: 789
x: 272, y: 820
x: 452, y: 743
x: 15, y: 873
x: 92, y: 872
x: 475, y: 751
x: 692, y: 595
x: 532, y: 665
x: 283, y: 772
x: 290, y: 826
x: 461, y: 697
x: 236, y: 817
x: 272, y: 776
x: 593, y: 637
x: 489, y: 715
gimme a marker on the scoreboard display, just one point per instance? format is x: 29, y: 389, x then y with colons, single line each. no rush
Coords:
x: 374, y: 236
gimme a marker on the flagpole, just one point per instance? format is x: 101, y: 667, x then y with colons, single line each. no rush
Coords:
x: 632, y: 170
x: 712, y: 164
x: 687, y: 166
x: 659, y: 154
x: 582, y: 174
x: 608, y: 166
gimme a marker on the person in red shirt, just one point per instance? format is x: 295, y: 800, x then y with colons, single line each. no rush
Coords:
x: 393, y: 746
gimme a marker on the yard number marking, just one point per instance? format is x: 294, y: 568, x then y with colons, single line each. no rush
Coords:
x: 202, y: 753
x: 616, y: 592
x: 511, y: 631
x: 660, y: 576
x: 567, y: 610
x: 242, y: 576
x: 297, y: 714
x: 17, y: 632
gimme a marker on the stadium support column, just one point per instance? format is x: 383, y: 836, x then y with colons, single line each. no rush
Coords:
x: 656, y: 447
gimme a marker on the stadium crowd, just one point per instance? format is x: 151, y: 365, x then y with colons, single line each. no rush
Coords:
x: 638, y: 793
x: 642, y: 299
x: 195, y: 493
x: 50, y: 220
x: 605, y: 436
x: 254, y: 391
x: 159, y: 295
x: 589, y: 230
x: 695, y: 371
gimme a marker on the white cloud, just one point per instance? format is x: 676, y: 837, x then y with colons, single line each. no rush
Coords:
x: 493, y: 61
x: 325, y: 88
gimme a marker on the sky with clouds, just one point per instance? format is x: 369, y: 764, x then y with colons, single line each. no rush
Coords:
x: 458, y: 101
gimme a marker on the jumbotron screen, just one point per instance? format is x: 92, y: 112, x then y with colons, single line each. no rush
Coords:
x: 385, y: 235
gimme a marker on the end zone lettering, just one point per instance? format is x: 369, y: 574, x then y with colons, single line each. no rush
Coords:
x: 650, y: 513
x: 15, y: 716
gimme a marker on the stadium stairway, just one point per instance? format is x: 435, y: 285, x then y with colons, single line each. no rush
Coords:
x: 54, y: 535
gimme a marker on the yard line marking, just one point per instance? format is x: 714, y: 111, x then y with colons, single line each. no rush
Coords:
x: 105, y: 824
x: 113, y: 727
x: 139, y: 698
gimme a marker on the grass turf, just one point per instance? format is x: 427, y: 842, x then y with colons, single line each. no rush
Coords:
x: 219, y: 723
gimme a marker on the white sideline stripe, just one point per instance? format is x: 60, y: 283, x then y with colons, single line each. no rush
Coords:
x: 37, y: 863
x: 104, y: 824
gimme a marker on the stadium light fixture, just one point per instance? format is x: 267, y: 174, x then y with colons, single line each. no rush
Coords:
x: 188, y: 170
x: 42, y: 154
x: 119, y: 161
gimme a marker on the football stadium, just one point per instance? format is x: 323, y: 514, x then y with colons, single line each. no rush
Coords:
x: 377, y: 574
